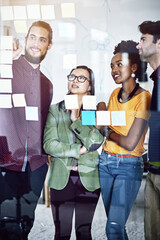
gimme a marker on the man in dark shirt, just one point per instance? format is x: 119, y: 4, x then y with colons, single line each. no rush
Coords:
x: 23, y: 163
x: 149, y: 50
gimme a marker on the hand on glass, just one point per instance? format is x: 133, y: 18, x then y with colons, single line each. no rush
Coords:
x: 17, y: 48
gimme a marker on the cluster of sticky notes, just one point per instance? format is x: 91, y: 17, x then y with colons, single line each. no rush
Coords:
x: 7, y: 99
x: 90, y: 116
x: 6, y: 74
x: 31, y: 112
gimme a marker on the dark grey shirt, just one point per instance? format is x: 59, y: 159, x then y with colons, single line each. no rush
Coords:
x: 16, y: 133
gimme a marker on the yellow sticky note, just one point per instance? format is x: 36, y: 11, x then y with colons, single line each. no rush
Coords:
x: 19, y: 100
x: 68, y: 10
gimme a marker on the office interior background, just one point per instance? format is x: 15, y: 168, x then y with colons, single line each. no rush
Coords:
x: 85, y: 32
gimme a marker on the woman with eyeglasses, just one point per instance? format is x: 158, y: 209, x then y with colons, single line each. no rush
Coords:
x: 73, y: 172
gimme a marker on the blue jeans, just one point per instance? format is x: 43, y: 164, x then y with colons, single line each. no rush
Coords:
x: 120, y: 180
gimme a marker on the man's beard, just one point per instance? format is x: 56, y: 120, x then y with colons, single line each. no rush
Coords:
x: 33, y: 60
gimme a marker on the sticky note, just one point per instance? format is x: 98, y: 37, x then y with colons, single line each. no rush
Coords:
x: 19, y: 100
x: 5, y: 86
x: 89, y: 102
x: 20, y: 26
x: 6, y: 13
x: 88, y: 118
x: 47, y: 11
x: 6, y: 71
x: 5, y: 101
x: 6, y: 57
x: 6, y: 42
x: 103, y: 118
x: 31, y: 113
x: 71, y: 102
x: 68, y: 10
x: 118, y: 118
x: 33, y: 11
x: 19, y: 12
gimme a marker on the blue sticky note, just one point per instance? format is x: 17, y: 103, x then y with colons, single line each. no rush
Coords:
x: 88, y: 118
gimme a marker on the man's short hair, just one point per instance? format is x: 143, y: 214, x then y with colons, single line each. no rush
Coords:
x: 152, y: 28
x: 43, y: 25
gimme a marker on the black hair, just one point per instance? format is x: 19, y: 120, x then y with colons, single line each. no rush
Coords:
x: 129, y: 47
x: 152, y: 28
x: 91, y: 77
x: 44, y: 25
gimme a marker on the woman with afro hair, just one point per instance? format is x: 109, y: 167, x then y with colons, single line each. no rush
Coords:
x: 121, y: 164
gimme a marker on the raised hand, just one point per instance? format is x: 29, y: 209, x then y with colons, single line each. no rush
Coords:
x: 17, y: 48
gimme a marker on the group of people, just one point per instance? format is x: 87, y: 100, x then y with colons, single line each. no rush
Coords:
x: 77, y: 174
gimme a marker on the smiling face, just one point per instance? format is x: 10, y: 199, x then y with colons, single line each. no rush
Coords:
x: 76, y: 87
x: 36, y: 45
x: 121, y: 68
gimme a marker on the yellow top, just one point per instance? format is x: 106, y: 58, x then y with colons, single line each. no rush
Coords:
x: 136, y: 107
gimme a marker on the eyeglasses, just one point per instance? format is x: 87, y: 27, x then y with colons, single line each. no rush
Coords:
x: 80, y: 79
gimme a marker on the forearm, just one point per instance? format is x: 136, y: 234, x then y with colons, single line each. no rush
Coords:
x: 90, y: 137
x: 130, y: 141
x: 122, y: 141
x: 59, y: 149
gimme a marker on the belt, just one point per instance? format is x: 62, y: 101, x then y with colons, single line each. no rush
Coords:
x: 154, y: 169
x: 119, y: 155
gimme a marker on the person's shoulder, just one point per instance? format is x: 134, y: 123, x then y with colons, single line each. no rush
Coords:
x: 57, y: 106
x: 115, y: 92
x: 44, y: 76
x: 144, y: 98
x: 146, y: 93
x: 45, y: 79
x: 148, y: 96
x: 17, y: 62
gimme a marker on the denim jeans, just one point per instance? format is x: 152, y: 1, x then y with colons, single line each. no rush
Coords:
x: 120, y: 180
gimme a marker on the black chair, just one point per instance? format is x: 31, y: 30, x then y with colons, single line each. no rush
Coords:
x: 17, y: 227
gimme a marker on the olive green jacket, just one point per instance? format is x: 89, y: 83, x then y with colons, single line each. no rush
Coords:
x: 59, y: 144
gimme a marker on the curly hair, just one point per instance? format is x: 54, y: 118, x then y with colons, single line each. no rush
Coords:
x: 129, y: 47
